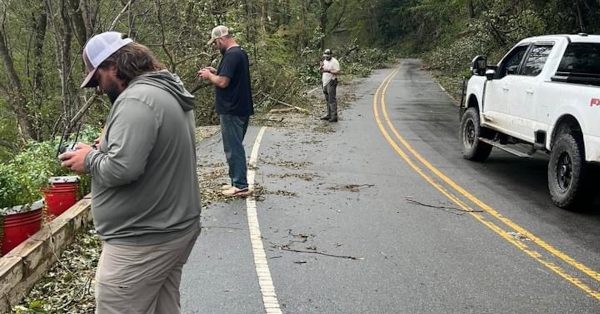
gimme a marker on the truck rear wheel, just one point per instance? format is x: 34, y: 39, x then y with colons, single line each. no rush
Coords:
x: 566, y: 171
x: 470, y: 131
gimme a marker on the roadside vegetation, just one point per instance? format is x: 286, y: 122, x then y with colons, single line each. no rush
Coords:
x: 41, y: 43
x: 448, y: 34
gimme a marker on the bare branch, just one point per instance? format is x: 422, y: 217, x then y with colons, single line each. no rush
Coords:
x: 446, y: 208
x: 284, y: 248
x: 163, y: 38
x: 125, y: 8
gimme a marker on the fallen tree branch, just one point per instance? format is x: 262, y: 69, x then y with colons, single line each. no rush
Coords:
x: 284, y: 103
x: 269, y: 119
x: 283, y: 110
x: 321, y: 253
x: 351, y: 187
x: 446, y: 208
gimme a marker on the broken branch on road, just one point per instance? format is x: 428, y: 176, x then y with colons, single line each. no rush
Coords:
x: 351, y: 187
x: 286, y: 248
x: 292, y: 107
x: 445, y: 208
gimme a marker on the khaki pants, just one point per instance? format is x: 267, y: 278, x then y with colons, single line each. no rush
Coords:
x: 142, y: 279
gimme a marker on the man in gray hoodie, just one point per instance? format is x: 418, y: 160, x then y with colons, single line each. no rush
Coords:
x: 145, y: 192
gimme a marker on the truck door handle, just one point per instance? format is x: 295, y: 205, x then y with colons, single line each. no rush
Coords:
x: 505, y: 89
x: 529, y: 91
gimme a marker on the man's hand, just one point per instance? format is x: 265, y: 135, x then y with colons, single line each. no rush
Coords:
x: 75, y: 160
x: 206, y: 73
x: 209, y: 74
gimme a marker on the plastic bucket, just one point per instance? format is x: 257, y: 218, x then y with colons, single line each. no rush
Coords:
x: 60, y: 197
x: 19, y: 227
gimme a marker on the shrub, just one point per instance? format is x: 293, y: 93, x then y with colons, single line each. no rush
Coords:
x: 26, y: 174
x: 23, y: 177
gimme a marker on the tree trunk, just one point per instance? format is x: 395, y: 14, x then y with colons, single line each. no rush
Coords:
x: 579, y: 16
x: 63, y: 37
x: 325, y: 4
x: 89, y: 12
x: 66, y: 46
x: 40, y: 23
x: 39, y: 26
x: 76, y: 13
x: 264, y: 16
x: 15, y: 98
x: 471, y: 7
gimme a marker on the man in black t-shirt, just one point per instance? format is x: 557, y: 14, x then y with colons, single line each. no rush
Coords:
x: 233, y: 104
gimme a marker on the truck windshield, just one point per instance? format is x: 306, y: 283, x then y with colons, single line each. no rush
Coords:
x: 581, y: 59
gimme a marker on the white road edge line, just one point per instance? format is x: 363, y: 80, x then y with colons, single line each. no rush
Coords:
x: 265, y: 281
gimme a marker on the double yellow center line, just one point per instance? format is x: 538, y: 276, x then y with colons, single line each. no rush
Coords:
x: 540, y: 251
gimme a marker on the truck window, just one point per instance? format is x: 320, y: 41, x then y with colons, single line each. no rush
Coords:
x: 534, y: 63
x: 510, y: 64
x: 581, y: 59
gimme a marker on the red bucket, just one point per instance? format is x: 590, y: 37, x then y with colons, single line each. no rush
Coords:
x: 19, y: 227
x: 61, y: 194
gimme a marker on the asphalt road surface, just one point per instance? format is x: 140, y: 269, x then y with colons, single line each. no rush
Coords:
x: 379, y: 213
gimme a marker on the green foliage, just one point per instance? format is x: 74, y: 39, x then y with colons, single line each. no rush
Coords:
x: 449, y: 33
x: 8, y: 134
x: 22, y: 180
x: 33, y: 307
x: 24, y: 176
x: 361, y: 61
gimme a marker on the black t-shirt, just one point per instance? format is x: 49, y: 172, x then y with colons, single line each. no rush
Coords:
x: 236, y: 98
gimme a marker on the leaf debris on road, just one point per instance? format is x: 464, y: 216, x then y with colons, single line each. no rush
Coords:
x: 303, y: 176
x: 518, y: 236
x: 350, y: 187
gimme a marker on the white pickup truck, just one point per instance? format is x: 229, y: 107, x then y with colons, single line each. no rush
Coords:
x: 545, y: 92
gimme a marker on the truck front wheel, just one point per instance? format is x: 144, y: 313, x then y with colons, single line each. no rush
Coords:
x: 566, y: 171
x: 470, y: 132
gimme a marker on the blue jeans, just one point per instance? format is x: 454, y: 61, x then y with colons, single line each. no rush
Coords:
x: 233, y: 129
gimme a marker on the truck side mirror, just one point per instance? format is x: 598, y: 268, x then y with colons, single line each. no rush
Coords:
x: 490, y: 74
x: 478, y: 65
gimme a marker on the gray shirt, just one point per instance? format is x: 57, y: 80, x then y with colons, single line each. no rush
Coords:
x: 144, y: 181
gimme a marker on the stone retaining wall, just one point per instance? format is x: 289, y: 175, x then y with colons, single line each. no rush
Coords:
x: 22, y: 267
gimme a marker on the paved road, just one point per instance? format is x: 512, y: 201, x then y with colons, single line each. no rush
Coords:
x: 393, y: 219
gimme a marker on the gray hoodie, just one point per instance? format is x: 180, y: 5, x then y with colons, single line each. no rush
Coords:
x: 144, y: 181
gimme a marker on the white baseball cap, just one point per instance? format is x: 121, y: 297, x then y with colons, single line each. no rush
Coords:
x: 98, y: 49
x: 218, y: 32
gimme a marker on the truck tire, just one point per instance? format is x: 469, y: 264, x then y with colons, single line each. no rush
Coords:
x: 470, y: 131
x: 566, y: 171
